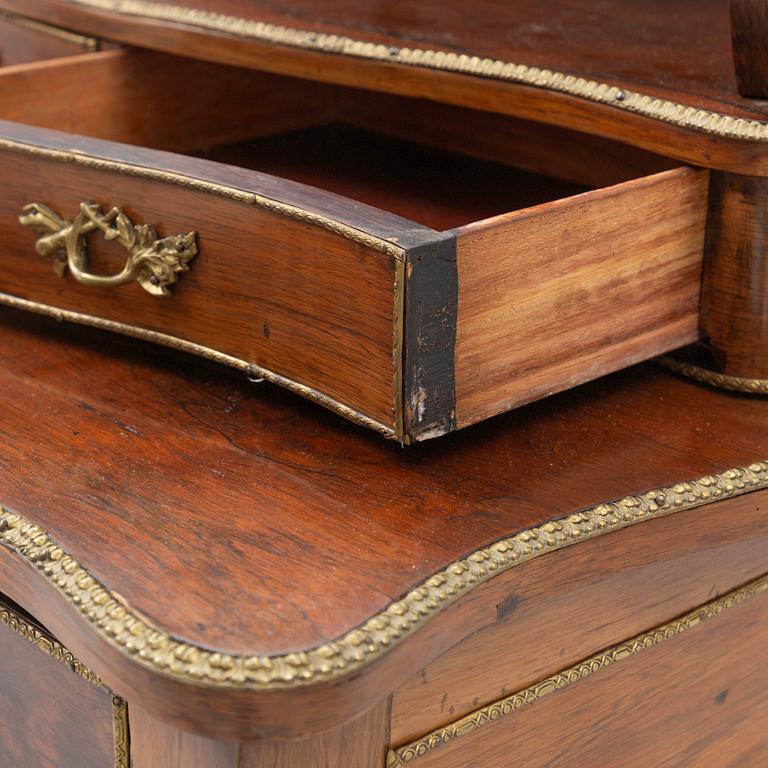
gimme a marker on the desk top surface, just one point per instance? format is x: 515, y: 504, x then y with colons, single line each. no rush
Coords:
x: 637, y: 70
x: 241, y: 519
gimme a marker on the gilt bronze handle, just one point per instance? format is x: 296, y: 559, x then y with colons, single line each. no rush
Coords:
x: 155, y: 263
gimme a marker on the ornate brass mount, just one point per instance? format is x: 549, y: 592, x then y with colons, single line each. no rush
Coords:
x: 155, y: 263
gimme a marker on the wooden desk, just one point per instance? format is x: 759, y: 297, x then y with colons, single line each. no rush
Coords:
x: 263, y: 582
x: 419, y: 215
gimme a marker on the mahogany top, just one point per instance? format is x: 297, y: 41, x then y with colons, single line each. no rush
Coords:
x: 242, y: 519
x: 661, y: 57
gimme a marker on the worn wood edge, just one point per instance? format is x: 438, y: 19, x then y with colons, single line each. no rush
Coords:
x: 210, y: 187
x: 429, y: 357
x: 713, y: 378
x: 508, y: 705
x: 254, y: 372
x: 89, y: 44
x: 132, y: 635
x: 663, y: 110
x: 49, y: 645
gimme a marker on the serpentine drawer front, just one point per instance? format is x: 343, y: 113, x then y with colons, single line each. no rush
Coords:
x: 571, y: 258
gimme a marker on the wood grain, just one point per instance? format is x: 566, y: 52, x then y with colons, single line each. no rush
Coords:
x: 749, y: 32
x: 638, y: 713
x: 535, y: 147
x: 140, y: 97
x: 677, y: 51
x: 734, y: 302
x: 51, y: 717
x: 547, y: 616
x: 272, y: 290
x: 359, y: 744
x: 244, y: 521
x: 560, y: 293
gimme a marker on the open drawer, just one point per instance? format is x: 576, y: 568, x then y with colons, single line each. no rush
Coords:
x: 568, y: 259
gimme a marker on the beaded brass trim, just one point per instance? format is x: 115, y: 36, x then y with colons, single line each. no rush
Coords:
x: 252, y: 371
x: 701, y: 120
x: 89, y: 44
x: 134, y: 636
x: 45, y: 643
x: 574, y: 674
x: 714, y: 379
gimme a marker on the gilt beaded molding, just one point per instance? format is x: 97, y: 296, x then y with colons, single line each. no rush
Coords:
x: 148, y: 645
x: 713, y: 378
x: 509, y: 704
x: 701, y: 120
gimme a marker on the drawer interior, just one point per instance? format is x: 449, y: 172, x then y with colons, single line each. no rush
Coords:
x: 389, y: 152
x: 434, y: 187
x: 574, y: 255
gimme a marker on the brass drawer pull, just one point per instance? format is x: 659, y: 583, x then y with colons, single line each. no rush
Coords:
x: 155, y: 263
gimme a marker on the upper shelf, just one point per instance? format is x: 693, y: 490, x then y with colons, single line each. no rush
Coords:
x: 655, y: 73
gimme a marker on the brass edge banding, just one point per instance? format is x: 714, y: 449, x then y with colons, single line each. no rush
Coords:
x: 75, y: 157
x: 45, y: 643
x: 251, y: 370
x: 147, y: 645
x: 714, y: 379
x: 120, y: 733
x: 90, y: 44
x: 53, y: 648
x: 398, y: 332
x: 704, y: 121
x: 501, y: 708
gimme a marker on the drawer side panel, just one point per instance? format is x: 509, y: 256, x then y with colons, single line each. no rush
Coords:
x: 556, y: 295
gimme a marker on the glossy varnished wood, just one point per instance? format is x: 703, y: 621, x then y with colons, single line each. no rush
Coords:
x: 22, y: 42
x: 358, y: 744
x: 749, y: 28
x: 560, y: 609
x: 247, y: 498
x: 678, y: 51
x: 734, y: 307
x: 698, y: 699
x: 312, y: 293
x: 574, y: 263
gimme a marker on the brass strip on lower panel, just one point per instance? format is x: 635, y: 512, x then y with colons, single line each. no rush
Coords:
x: 573, y: 674
x: 134, y: 636
x: 252, y: 371
x: 53, y: 648
x: 90, y: 44
x: 701, y: 120
x: 713, y: 378
x: 120, y: 733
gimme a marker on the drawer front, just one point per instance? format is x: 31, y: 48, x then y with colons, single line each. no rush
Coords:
x: 55, y: 713
x: 690, y: 692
